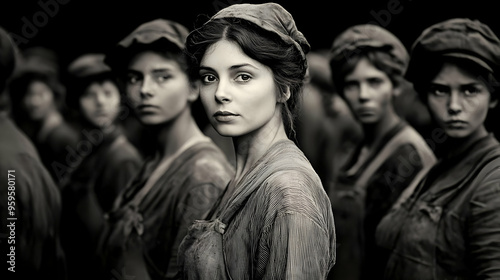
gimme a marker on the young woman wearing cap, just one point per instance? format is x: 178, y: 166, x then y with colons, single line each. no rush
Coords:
x: 186, y: 174
x: 449, y: 228
x: 274, y: 221
x: 104, y: 161
x: 368, y: 63
x: 37, y: 96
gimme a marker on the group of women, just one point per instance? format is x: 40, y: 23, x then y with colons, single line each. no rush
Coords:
x: 399, y: 208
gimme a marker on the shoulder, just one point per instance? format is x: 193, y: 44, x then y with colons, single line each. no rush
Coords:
x: 295, y: 191
x: 13, y: 141
x: 124, y: 151
x: 408, y: 144
x: 64, y: 133
x: 209, y: 161
x: 487, y: 181
x: 202, y: 166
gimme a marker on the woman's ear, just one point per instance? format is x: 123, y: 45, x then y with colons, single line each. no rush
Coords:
x: 194, y: 91
x: 493, y: 103
x: 284, y: 96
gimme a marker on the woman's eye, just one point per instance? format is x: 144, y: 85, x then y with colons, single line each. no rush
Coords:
x: 243, y: 78
x: 375, y: 82
x: 351, y: 86
x: 438, y: 91
x: 132, y: 79
x: 208, y: 78
x: 162, y: 78
x: 471, y: 91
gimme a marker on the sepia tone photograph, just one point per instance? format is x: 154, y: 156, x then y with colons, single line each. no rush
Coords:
x: 230, y: 139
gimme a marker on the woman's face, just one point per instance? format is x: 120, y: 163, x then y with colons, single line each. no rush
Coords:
x: 39, y: 101
x: 459, y: 101
x: 368, y: 91
x: 158, y: 88
x: 100, y: 103
x: 238, y: 92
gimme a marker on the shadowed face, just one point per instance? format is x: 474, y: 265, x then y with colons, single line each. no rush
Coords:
x: 368, y: 91
x: 100, y: 103
x: 459, y: 101
x: 39, y: 100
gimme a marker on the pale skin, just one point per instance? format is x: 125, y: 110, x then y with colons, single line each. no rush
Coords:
x: 244, y: 89
x: 459, y: 103
x: 161, y: 95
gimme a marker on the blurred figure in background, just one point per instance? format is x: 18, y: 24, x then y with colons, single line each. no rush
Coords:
x: 104, y: 161
x: 327, y: 132
x: 37, y: 97
x: 368, y: 64
x: 30, y: 206
x: 186, y: 174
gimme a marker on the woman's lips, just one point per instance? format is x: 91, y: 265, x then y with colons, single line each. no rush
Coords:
x: 225, y: 116
x: 456, y: 124
x: 145, y: 108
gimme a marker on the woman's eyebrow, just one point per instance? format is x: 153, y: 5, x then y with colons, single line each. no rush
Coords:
x: 237, y: 66
x: 202, y: 67
x: 233, y: 67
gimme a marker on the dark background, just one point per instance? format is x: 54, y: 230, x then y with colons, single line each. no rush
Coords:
x: 78, y: 26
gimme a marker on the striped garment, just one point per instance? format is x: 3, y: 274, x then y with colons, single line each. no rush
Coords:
x: 281, y: 224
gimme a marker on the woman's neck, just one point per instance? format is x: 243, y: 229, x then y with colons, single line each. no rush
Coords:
x: 251, y: 147
x: 454, y: 146
x: 53, y: 119
x: 171, y: 136
x: 375, y: 132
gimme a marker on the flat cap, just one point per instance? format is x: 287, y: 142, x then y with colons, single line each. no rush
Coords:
x: 160, y: 32
x: 460, y: 38
x: 366, y: 37
x: 88, y: 65
x: 271, y: 17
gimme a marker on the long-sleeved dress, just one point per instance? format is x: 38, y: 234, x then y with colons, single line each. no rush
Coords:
x: 150, y: 218
x: 277, y: 224
x: 450, y: 227
x: 362, y: 196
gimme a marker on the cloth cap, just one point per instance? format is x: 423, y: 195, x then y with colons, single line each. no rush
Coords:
x: 368, y: 37
x: 271, y: 17
x: 458, y: 37
x: 88, y: 65
x: 7, y: 55
x: 39, y: 60
x: 164, y: 32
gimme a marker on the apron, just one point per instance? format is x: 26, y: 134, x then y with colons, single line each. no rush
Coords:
x: 201, y: 253
x: 125, y: 223
x: 202, y: 250
x: 348, y: 204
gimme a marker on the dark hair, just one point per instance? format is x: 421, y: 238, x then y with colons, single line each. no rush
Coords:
x: 77, y: 86
x: 433, y: 65
x: 286, y: 62
x: 161, y: 46
x: 380, y: 59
